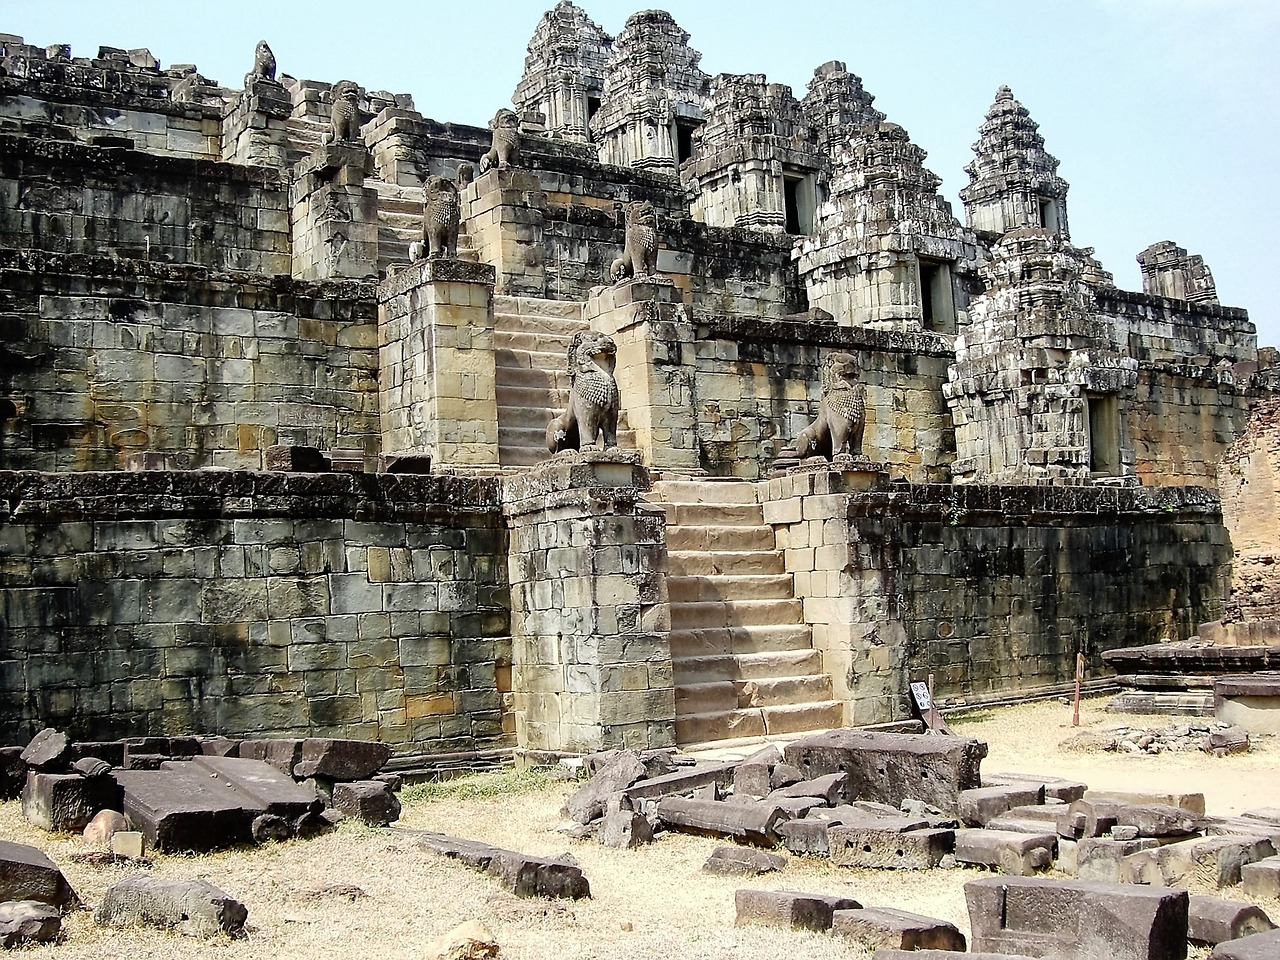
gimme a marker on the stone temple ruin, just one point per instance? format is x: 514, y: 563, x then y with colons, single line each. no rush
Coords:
x: 669, y: 408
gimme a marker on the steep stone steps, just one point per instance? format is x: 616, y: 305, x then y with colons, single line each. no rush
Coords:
x: 531, y: 344
x: 400, y: 224
x: 743, y: 657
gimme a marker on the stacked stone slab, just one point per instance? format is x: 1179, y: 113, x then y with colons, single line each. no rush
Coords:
x: 1169, y: 271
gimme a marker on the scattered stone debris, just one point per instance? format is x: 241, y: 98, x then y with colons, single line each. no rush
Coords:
x: 874, y: 927
x: 192, y: 907
x: 333, y: 891
x: 800, y: 911
x: 28, y: 921
x: 468, y: 941
x: 1260, y: 946
x: 1213, y: 920
x: 27, y: 874
x: 743, y: 861
x: 1208, y: 735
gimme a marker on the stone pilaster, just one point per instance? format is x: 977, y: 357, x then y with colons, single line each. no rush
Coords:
x: 253, y: 127
x: 436, y: 388
x: 503, y: 211
x: 655, y: 367
x: 333, y: 215
x: 590, y: 621
x: 394, y: 137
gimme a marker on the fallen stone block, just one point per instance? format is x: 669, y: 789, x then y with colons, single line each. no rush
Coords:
x: 283, y: 754
x: 372, y: 801
x: 129, y: 844
x: 468, y: 941
x: 742, y: 861
x: 48, y: 750
x: 1212, y: 920
x: 91, y: 767
x: 192, y: 907
x: 902, y: 844
x: 1260, y: 946
x: 1018, y: 825
x: 891, y: 767
x: 1088, y: 818
x: 1191, y: 802
x: 1158, y: 820
x: 1075, y: 920
x: 1222, y: 742
x: 28, y: 921
x: 588, y: 802
x: 27, y: 874
x: 13, y: 773
x: 682, y: 781
x: 185, y: 808
x: 1055, y: 788
x: 886, y: 954
x: 794, y: 807
x: 109, y: 751
x: 830, y: 789
x: 66, y: 802
x: 807, y: 835
x: 785, y: 908
x: 746, y: 823
x: 219, y: 747
x: 1267, y: 815
x: 523, y: 875
x: 873, y: 927
x: 269, y: 790
x: 1261, y: 879
x: 785, y: 775
x: 1213, y: 861
x: 341, y: 759
x: 980, y: 806
x: 624, y: 830
x: 1100, y: 860
x: 1014, y: 854
x: 295, y: 459
x: 751, y: 777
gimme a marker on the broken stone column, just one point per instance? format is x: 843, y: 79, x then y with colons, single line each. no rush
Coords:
x: 590, y: 621
x: 436, y: 390
x: 334, y: 217
x: 655, y: 367
x: 503, y: 211
x: 253, y: 128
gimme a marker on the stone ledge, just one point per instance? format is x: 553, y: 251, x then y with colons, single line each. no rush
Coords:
x: 33, y: 496
x: 439, y: 270
x: 575, y: 478
x: 753, y: 330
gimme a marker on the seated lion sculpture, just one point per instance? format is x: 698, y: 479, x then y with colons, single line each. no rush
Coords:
x: 593, y: 396
x: 640, y: 251
x: 841, y: 415
x: 504, y: 150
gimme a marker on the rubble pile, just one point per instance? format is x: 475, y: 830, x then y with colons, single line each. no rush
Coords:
x: 1208, y: 736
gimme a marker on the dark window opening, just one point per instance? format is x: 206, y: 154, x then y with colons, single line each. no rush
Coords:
x: 928, y: 280
x: 791, y: 204
x: 593, y: 107
x: 684, y: 140
x: 1104, y: 435
x: 937, y: 300
x: 1049, y: 215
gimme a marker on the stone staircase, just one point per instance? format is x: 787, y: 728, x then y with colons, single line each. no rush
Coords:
x: 743, y: 656
x: 531, y: 342
x: 400, y: 224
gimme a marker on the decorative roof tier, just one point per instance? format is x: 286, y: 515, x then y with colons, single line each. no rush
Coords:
x: 836, y: 105
x: 1013, y: 180
x: 564, y: 71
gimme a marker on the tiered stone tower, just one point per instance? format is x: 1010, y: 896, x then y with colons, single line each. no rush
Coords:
x: 564, y: 72
x: 836, y: 105
x: 1013, y: 181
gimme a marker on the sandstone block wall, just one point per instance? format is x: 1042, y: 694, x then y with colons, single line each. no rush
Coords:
x: 992, y: 589
x: 103, y: 358
x: 758, y: 385
x: 71, y: 198
x: 242, y: 604
x: 1249, y: 481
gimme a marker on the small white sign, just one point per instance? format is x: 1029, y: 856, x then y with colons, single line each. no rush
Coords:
x: 920, y: 691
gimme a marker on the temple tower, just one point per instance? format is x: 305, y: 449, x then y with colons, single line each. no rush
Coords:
x: 654, y: 96
x: 836, y: 105
x: 564, y: 72
x: 1013, y: 180
x: 1169, y: 271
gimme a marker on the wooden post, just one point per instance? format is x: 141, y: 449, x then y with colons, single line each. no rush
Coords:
x: 1075, y: 716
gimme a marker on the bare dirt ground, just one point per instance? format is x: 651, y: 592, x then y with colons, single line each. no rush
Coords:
x: 648, y: 904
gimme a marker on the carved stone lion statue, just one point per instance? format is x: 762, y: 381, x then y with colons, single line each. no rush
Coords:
x: 841, y: 415
x: 344, y: 118
x: 264, y: 64
x: 593, y: 395
x: 505, y: 149
x: 640, y: 251
x: 441, y: 213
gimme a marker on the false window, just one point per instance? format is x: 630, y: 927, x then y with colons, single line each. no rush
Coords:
x: 1104, y: 434
x: 937, y: 299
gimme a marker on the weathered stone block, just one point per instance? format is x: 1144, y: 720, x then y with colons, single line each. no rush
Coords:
x: 873, y: 927
x: 893, y: 767
x: 66, y: 801
x: 26, y: 921
x: 1212, y: 920
x: 525, y: 876
x: 980, y: 806
x: 1016, y: 854
x: 888, y: 844
x: 192, y: 907
x: 1074, y: 920
x: 742, y: 862
x: 746, y: 823
x: 587, y: 803
x: 341, y: 759
x: 369, y: 800
x: 27, y: 874
x: 624, y: 830
x: 48, y: 750
x: 784, y: 908
x: 1260, y: 946
x: 1261, y: 880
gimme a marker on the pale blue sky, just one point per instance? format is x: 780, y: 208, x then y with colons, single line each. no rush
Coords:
x: 1163, y: 112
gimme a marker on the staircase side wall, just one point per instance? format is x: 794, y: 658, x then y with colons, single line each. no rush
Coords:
x: 254, y: 604
x: 993, y: 590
